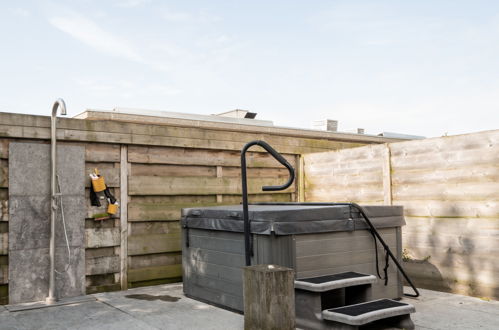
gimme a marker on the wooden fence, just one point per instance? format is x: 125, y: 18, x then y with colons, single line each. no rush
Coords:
x: 154, y: 171
x: 449, y: 188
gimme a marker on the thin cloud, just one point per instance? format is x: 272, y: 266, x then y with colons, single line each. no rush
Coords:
x: 200, y: 17
x: 131, y: 3
x: 91, y: 34
x: 21, y: 12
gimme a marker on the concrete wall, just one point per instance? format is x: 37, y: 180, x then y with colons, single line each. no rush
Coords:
x: 449, y: 188
x: 29, y: 222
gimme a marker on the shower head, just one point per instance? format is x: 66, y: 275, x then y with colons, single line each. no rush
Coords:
x: 59, y: 103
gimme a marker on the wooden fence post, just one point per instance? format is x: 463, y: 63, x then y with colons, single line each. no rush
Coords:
x: 387, y: 176
x: 124, y: 217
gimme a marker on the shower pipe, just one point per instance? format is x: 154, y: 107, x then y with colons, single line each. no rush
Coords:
x: 59, y: 103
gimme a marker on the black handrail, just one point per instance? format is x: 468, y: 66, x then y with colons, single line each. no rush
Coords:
x: 247, y: 227
x: 371, y: 228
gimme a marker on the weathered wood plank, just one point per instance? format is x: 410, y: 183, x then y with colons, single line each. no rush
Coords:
x: 102, y: 152
x: 172, y: 170
x: 152, y: 140
x: 351, y: 155
x: 346, y: 169
x: 100, y: 252
x: 4, y: 294
x: 454, y: 226
x: 147, y: 185
x: 4, y: 274
x: 172, y: 199
x: 237, y: 199
x: 327, y: 194
x: 482, y: 191
x: 100, y: 279
x: 465, y: 142
x: 474, y: 174
x: 4, y: 205
x: 102, y: 265
x: 189, y: 156
x: 465, y: 244
x: 102, y: 237
x: 4, y: 173
x: 443, y: 208
x: 447, y: 159
x: 155, y: 260
x: 157, y: 227
x: 4, y: 269
x: 347, y: 181
x: 4, y: 243
x: 152, y: 273
x: 153, y: 243
x: 255, y: 172
x: 159, y: 211
x: 4, y: 148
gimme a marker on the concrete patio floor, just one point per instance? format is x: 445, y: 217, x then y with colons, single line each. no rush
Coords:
x: 165, y: 307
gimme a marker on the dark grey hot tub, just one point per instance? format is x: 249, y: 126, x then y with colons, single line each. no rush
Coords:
x: 313, y: 240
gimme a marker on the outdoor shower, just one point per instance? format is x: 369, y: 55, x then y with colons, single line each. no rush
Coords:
x: 59, y: 103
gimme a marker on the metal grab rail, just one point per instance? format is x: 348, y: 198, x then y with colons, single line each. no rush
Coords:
x: 247, y: 227
x: 373, y: 231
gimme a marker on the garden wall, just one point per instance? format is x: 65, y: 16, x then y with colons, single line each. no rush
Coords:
x: 449, y: 188
x: 155, y: 169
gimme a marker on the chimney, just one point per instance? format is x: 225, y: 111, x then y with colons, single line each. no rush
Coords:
x: 325, y: 125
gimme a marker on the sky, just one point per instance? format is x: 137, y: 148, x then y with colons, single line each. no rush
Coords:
x: 417, y: 67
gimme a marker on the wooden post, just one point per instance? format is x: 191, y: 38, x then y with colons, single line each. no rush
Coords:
x: 219, y: 175
x: 387, y: 176
x: 301, y: 178
x: 124, y: 217
x: 269, y: 297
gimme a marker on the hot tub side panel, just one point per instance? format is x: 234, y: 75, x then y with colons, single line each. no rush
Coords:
x: 336, y: 252
x: 212, y: 264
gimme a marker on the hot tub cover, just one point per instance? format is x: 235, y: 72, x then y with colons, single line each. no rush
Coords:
x: 291, y: 219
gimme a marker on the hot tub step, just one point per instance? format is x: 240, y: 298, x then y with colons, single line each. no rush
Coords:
x: 334, y: 281
x: 360, y: 314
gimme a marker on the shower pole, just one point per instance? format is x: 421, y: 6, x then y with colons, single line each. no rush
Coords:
x: 53, y: 200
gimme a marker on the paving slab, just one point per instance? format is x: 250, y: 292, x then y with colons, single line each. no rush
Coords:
x: 440, y: 310
x: 165, y: 307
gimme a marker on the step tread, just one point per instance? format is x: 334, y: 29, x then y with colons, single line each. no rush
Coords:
x: 363, y: 313
x: 334, y: 281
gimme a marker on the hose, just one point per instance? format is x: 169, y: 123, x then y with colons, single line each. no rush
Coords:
x: 64, y: 227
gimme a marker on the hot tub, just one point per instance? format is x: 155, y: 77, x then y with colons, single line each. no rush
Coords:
x: 313, y: 240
